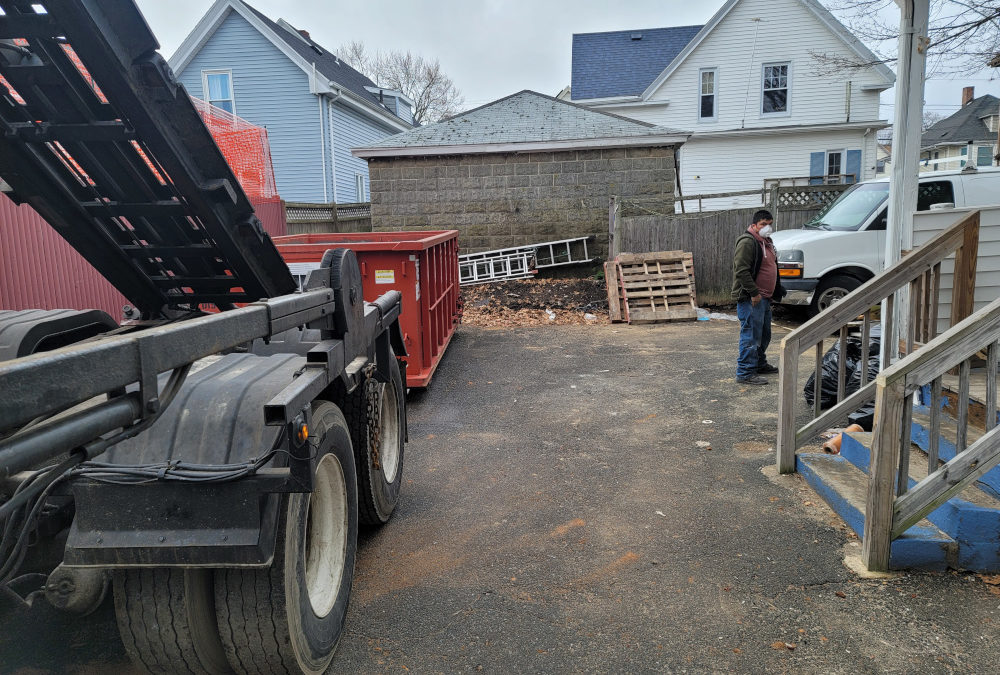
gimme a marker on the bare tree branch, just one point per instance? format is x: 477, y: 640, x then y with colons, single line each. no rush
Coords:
x: 434, y: 95
x: 964, y: 34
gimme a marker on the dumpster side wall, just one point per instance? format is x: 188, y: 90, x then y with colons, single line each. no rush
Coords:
x: 507, y: 199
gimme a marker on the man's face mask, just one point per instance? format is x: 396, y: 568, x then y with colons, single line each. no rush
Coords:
x: 766, y: 231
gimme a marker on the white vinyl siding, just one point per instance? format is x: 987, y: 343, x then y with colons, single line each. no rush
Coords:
x: 708, y: 96
x: 760, y: 157
x: 927, y: 224
x: 787, y: 32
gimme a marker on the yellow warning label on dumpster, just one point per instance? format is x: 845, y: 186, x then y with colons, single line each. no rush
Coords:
x: 385, y: 276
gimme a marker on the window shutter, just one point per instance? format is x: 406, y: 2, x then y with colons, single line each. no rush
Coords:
x: 817, y: 167
x: 854, y: 165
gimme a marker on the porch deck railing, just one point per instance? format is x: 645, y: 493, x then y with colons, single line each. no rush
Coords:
x: 920, y: 271
x: 893, y: 506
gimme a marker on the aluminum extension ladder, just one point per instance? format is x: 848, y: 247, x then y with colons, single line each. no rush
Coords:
x: 520, y: 262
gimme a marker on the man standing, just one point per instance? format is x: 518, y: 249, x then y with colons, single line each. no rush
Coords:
x: 755, y: 286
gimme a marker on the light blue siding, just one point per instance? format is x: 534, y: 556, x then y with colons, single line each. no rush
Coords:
x: 272, y: 92
x: 817, y: 167
x: 854, y: 165
x: 351, y: 130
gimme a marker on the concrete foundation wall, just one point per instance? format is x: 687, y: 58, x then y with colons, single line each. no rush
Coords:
x: 503, y: 200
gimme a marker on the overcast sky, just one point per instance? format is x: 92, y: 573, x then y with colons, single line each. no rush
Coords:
x: 492, y: 48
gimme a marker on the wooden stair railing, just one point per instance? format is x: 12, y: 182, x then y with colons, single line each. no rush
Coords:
x: 920, y: 270
x: 892, y: 506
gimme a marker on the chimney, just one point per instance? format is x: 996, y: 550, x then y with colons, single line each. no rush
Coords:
x: 305, y: 34
x: 968, y: 93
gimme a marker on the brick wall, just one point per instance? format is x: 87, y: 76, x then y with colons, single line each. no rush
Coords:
x: 503, y: 200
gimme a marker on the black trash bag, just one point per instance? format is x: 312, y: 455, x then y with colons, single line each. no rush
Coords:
x: 863, y: 416
x: 852, y: 372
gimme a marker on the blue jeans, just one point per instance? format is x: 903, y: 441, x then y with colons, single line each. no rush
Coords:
x: 755, y: 336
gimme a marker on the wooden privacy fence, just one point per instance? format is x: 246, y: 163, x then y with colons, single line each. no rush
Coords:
x: 304, y: 218
x: 711, y: 235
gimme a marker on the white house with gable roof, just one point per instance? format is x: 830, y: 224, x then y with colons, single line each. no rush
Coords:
x: 754, y: 85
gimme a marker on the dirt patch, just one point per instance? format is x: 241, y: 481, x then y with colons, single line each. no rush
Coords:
x: 536, y: 302
x: 753, y: 447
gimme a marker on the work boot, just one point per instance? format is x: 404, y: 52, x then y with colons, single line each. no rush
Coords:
x: 767, y: 369
x: 753, y: 379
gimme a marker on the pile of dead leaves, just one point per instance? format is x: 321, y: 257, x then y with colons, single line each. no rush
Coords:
x: 536, y: 302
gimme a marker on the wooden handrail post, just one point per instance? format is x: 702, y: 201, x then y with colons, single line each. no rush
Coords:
x: 788, y: 371
x: 966, y: 257
x: 875, y: 546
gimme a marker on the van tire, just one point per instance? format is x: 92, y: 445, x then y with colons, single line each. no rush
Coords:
x: 831, y: 289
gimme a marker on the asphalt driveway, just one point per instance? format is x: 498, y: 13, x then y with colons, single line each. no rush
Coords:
x: 591, y: 498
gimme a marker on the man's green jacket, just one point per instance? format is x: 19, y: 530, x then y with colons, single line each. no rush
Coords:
x: 746, y: 265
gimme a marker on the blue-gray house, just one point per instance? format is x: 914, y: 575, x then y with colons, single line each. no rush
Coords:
x: 314, y: 106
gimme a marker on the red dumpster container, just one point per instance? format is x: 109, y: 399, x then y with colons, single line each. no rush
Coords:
x: 423, y: 266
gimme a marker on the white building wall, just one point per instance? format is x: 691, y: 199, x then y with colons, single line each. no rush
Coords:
x: 928, y: 223
x: 786, y: 31
x: 743, y: 162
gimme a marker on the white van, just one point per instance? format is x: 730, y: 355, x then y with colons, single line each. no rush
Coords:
x: 844, y: 246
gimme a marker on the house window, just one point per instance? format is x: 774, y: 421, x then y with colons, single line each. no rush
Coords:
x: 218, y: 88
x: 984, y: 155
x: 774, y: 92
x: 359, y: 182
x: 707, y: 95
x: 834, y: 166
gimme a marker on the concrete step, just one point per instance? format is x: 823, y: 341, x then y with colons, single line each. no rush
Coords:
x: 972, y: 519
x: 844, y: 487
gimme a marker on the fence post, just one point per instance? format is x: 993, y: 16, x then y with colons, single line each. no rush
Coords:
x: 614, y: 246
x: 773, y: 205
x: 876, y: 544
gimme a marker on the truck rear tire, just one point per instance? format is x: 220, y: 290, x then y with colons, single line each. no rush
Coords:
x: 289, y: 617
x: 832, y: 289
x: 166, y: 617
x: 378, y: 485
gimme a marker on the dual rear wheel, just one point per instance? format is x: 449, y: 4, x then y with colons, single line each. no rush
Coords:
x: 288, y: 617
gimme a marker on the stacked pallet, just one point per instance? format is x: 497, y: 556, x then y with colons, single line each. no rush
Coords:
x: 651, y: 287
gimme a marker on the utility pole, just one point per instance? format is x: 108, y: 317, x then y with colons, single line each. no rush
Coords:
x: 910, y: 73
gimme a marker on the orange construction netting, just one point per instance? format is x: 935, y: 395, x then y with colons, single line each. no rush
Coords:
x: 245, y: 147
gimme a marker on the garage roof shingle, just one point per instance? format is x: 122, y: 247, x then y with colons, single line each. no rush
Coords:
x: 525, y: 117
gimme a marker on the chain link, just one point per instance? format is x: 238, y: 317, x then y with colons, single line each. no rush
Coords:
x: 373, y: 401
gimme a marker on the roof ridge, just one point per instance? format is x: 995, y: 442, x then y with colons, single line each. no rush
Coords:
x: 557, y: 100
x: 634, y: 30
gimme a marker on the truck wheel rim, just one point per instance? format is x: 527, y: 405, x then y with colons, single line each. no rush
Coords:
x: 831, y: 296
x: 326, y: 538
x: 389, y: 434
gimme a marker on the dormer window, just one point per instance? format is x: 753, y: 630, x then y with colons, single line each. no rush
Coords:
x: 707, y: 97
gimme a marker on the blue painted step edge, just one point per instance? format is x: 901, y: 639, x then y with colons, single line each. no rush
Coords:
x: 918, y: 547
x: 988, y: 482
x: 976, y: 528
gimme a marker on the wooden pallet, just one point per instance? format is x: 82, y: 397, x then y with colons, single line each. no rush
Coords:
x: 616, y: 303
x: 656, y: 286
